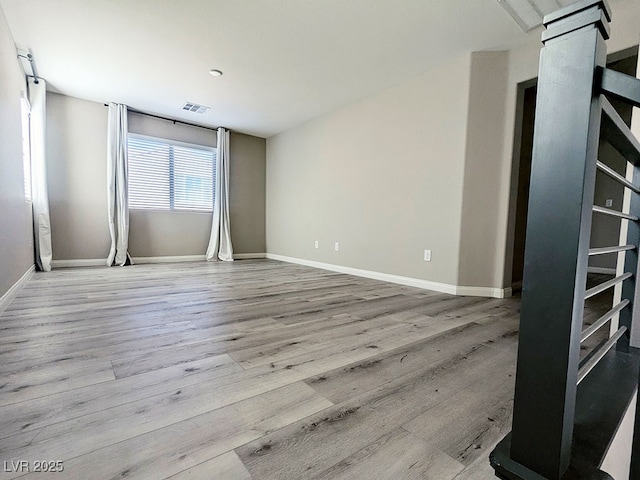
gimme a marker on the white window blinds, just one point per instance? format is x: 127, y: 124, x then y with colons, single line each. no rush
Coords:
x: 167, y: 175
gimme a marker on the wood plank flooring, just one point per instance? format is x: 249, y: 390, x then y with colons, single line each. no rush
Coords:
x: 251, y: 370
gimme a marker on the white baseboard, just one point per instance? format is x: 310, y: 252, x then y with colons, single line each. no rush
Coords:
x: 192, y: 258
x: 10, y: 294
x: 169, y: 259
x: 603, y: 270
x: 409, y: 281
x: 385, y: 277
x: 102, y: 262
x: 248, y: 256
x: 79, y: 262
x: 483, y: 291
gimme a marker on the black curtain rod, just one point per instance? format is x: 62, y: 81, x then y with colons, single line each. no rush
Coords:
x: 32, y: 64
x: 133, y: 110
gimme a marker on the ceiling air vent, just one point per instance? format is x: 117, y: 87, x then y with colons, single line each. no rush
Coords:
x: 195, y: 108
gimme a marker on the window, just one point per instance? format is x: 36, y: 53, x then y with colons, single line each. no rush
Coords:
x: 26, y: 147
x: 168, y: 175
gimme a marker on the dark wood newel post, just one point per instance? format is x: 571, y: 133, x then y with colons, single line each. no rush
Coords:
x: 563, y: 173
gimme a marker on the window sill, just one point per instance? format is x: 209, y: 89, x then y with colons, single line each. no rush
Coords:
x: 154, y: 210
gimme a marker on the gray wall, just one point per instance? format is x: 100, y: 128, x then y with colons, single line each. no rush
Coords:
x: 415, y: 167
x: 247, y: 193
x: 481, y: 244
x: 16, y: 237
x: 383, y: 177
x: 77, y: 188
x: 77, y: 177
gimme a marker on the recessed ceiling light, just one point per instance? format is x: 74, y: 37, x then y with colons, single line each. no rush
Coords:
x: 216, y: 73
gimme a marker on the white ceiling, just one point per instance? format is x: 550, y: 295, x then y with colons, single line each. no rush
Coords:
x: 284, y: 61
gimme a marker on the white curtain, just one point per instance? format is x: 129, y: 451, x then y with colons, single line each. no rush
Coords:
x: 220, y: 242
x: 39, y: 195
x: 117, y: 190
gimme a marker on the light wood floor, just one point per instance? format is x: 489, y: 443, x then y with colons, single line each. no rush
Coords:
x: 251, y: 370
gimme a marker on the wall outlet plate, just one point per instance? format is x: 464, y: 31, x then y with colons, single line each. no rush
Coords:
x: 427, y: 255
x: 316, y: 244
x: 336, y: 246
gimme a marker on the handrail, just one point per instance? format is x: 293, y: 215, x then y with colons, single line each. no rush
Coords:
x: 618, y: 134
x: 619, y: 85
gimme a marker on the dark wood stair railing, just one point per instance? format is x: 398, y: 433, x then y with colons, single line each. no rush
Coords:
x: 565, y: 411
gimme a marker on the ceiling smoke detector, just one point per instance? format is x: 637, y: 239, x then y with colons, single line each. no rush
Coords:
x: 530, y: 13
x: 195, y: 108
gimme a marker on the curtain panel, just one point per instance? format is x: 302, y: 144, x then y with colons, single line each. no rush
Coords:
x: 39, y: 194
x: 220, y: 247
x: 117, y: 189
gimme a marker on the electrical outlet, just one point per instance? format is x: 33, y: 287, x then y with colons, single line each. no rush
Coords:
x: 608, y: 202
x: 336, y: 246
x: 316, y: 244
x: 427, y: 255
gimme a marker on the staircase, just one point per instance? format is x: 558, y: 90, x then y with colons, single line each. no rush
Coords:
x: 566, y: 411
